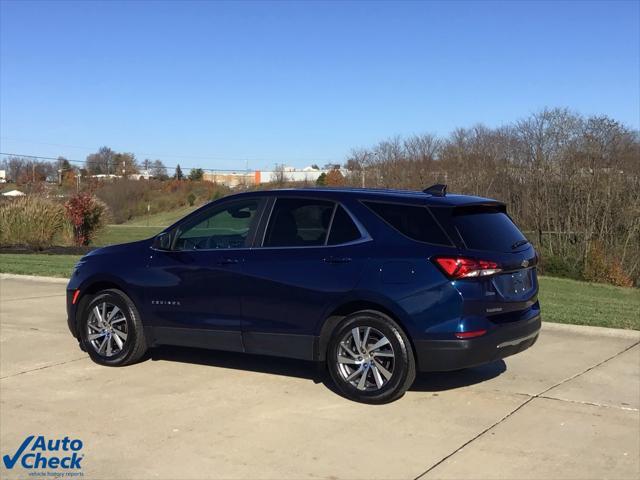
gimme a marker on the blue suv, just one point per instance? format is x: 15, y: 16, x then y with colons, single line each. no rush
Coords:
x: 377, y: 284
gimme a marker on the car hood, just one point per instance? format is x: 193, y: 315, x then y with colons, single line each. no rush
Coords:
x: 131, y: 247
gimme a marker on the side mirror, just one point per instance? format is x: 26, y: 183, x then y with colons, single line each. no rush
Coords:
x: 162, y: 241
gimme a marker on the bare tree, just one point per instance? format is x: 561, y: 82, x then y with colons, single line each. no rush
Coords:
x: 572, y: 183
x: 278, y: 176
x: 158, y: 170
x: 102, y: 162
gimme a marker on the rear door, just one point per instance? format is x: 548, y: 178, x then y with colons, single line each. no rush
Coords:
x: 308, y: 258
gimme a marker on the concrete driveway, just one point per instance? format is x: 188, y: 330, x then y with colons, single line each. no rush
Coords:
x: 567, y: 408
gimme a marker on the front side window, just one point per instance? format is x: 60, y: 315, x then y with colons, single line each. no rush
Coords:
x: 224, y: 227
x: 297, y: 222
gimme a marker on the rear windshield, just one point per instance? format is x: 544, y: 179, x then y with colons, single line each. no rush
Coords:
x: 488, y: 229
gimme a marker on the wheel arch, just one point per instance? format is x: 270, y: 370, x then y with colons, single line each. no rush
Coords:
x: 91, y: 288
x: 348, y: 308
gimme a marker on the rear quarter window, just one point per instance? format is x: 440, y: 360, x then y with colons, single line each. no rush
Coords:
x: 343, y: 230
x: 413, y: 221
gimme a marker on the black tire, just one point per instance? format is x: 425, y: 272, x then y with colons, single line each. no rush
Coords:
x: 134, y: 346
x: 404, y: 363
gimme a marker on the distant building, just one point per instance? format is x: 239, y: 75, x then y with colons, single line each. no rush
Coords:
x: 141, y: 175
x: 104, y: 176
x: 14, y: 193
x: 231, y: 179
x: 3, y: 176
x: 257, y: 177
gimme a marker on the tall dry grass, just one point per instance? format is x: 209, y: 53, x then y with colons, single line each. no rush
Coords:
x: 34, y: 221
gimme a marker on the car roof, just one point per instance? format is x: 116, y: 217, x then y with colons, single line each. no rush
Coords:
x: 409, y: 196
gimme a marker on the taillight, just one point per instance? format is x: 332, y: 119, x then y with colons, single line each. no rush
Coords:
x: 460, y: 267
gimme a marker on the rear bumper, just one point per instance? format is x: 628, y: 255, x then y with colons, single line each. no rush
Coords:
x: 502, y: 341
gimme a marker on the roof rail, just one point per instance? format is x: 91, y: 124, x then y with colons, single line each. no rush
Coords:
x: 437, y: 190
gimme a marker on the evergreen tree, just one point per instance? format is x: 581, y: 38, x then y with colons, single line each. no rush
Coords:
x: 178, y: 175
x: 322, y: 180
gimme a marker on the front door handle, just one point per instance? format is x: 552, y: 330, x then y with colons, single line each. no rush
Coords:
x: 337, y: 259
x: 228, y: 261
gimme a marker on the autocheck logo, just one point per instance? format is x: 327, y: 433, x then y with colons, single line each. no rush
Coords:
x: 42, y: 454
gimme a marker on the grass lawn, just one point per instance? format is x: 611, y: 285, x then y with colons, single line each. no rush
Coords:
x: 38, y: 264
x: 581, y: 303
x: 140, y: 228
x: 113, y: 234
x: 162, y: 219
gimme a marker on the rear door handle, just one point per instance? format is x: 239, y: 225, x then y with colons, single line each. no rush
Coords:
x: 337, y: 259
x: 228, y: 261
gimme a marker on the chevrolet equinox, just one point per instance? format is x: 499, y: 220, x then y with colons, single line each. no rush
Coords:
x: 377, y: 284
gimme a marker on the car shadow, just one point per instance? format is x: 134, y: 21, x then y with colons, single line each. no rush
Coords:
x: 314, y: 371
x: 239, y: 361
x: 439, y: 381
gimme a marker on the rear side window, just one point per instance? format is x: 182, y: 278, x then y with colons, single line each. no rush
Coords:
x: 483, y: 228
x: 343, y: 230
x: 412, y: 221
x: 297, y: 222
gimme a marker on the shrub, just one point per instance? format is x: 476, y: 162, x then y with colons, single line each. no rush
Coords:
x: 216, y: 195
x: 334, y: 179
x: 560, y: 266
x: 196, y: 174
x: 191, y: 198
x: 66, y: 235
x: 603, y: 268
x: 87, y: 215
x: 128, y: 199
x: 125, y: 198
x: 32, y: 220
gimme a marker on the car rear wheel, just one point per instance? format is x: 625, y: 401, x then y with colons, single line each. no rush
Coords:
x: 110, y: 329
x: 370, y: 358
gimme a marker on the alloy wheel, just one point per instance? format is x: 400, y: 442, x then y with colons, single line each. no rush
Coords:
x: 365, y: 358
x: 107, y: 329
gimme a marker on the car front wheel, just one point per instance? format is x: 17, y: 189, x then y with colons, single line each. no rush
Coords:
x: 111, y: 330
x: 370, y: 358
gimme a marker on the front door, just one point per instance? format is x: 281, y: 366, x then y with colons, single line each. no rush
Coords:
x: 196, y: 287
